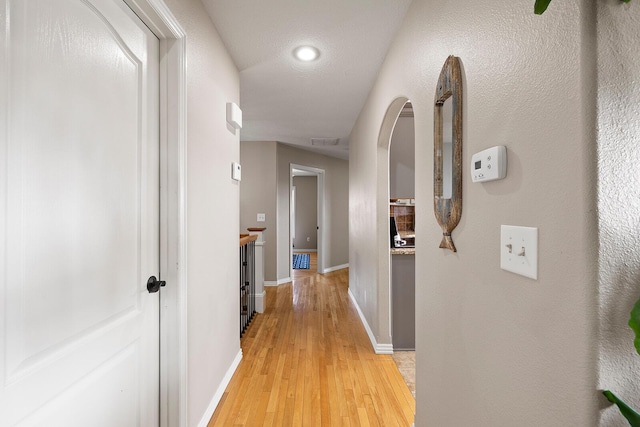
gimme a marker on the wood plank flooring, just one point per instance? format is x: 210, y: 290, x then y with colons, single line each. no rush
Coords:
x: 307, y: 361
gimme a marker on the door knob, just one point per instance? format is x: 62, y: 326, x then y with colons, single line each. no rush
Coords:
x: 153, y: 284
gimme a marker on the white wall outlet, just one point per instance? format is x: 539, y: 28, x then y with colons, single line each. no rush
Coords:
x: 236, y: 171
x: 519, y: 250
x: 261, y: 217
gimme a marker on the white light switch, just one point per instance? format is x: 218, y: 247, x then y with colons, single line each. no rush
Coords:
x: 261, y: 217
x: 519, y: 250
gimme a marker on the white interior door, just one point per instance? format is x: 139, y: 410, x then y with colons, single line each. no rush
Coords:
x: 78, y: 215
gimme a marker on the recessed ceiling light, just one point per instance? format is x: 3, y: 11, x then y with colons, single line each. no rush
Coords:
x: 306, y: 53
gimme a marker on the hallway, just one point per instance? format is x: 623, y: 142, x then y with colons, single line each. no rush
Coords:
x: 308, y: 362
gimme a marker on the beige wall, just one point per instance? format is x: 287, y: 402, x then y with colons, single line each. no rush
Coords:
x: 402, y: 159
x: 493, y: 348
x: 306, y: 211
x: 212, y: 209
x: 618, y: 199
x: 258, y: 195
x: 267, y: 191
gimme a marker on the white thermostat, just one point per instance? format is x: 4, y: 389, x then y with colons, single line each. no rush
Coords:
x: 490, y: 164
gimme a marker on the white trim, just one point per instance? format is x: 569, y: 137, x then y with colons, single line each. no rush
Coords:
x: 292, y: 212
x: 301, y: 251
x: 261, y: 300
x: 384, y: 349
x: 218, y: 396
x: 383, y: 274
x: 158, y: 17
x: 277, y: 282
x: 378, y: 348
x: 335, y: 268
x: 173, y: 209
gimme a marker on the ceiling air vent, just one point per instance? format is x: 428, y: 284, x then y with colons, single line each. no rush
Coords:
x: 323, y: 142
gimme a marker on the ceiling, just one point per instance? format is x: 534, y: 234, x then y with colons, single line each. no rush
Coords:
x: 285, y: 100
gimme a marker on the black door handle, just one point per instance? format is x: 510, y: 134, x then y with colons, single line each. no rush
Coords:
x: 153, y: 284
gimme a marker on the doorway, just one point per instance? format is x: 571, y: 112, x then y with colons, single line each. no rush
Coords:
x: 306, y: 219
x: 304, y: 215
x: 402, y: 221
x: 383, y: 232
x: 402, y: 261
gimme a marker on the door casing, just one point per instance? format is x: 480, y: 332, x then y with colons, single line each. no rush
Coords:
x: 173, y: 210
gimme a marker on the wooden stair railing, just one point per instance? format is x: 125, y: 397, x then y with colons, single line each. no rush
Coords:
x: 247, y: 280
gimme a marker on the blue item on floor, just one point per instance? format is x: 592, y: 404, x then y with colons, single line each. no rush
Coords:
x: 301, y: 261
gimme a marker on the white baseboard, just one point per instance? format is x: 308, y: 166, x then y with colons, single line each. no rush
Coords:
x: 223, y: 385
x: 335, y: 268
x: 298, y: 251
x: 260, y: 301
x: 378, y: 348
x: 278, y: 282
x: 384, y: 348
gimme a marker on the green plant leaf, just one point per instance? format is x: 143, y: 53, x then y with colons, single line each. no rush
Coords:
x: 541, y: 6
x: 634, y: 323
x: 632, y: 416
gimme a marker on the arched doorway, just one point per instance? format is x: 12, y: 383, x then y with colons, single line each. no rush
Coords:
x: 383, y: 225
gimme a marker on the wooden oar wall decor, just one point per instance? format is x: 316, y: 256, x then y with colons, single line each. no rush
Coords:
x: 447, y: 181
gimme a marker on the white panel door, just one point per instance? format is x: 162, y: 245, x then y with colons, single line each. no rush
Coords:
x: 79, y: 221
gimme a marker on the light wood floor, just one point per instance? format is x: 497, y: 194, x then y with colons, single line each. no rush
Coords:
x: 307, y: 361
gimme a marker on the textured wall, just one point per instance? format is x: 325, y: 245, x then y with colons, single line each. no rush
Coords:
x: 618, y: 199
x: 494, y: 348
x: 306, y: 212
x: 258, y: 195
x: 212, y: 209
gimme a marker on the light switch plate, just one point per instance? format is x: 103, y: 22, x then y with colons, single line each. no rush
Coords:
x: 261, y: 217
x: 519, y: 250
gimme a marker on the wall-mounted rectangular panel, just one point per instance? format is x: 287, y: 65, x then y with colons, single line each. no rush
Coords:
x: 489, y: 164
